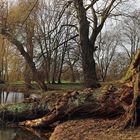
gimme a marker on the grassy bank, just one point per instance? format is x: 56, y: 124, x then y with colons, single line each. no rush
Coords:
x: 20, y: 86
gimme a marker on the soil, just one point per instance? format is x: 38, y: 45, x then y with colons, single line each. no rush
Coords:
x: 90, y: 129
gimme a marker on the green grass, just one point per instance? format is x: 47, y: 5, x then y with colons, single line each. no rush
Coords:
x: 65, y: 86
x: 20, y: 86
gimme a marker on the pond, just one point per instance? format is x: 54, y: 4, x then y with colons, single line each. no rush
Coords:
x: 21, y: 134
x: 18, y: 133
x: 11, y: 97
x: 15, y: 97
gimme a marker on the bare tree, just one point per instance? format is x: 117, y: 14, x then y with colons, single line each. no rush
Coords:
x: 99, y: 12
x: 118, y: 66
x: 10, y: 30
x: 107, y: 44
x: 130, y: 34
x: 54, y: 25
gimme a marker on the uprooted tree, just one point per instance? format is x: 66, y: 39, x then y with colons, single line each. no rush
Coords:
x: 113, y: 102
x: 133, y: 74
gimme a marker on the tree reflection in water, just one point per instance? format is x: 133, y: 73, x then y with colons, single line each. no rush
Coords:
x: 11, y: 97
x: 20, y: 134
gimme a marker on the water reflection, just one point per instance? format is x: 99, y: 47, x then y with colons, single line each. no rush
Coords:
x: 19, y: 134
x: 11, y: 97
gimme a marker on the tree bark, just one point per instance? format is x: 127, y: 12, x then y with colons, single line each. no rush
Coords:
x: 62, y: 62
x: 54, y: 73
x: 89, y: 68
x: 28, y: 73
x: 76, y: 105
x: 87, y: 48
x: 132, y: 114
x: 129, y: 73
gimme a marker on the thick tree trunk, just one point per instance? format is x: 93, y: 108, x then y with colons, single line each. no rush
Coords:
x: 27, y: 77
x: 89, y: 68
x: 129, y: 73
x: 87, y: 48
x: 58, y: 107
x: 132, y: 114
x: 76, y: 105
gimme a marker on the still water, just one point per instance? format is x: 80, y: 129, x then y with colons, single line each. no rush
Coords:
x: 21, y: 134
x: 17, y: 133
x: 11, y: 97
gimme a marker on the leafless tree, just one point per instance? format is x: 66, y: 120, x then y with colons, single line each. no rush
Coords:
x: 107, y: 46
x: 130, y: 34
x: 92, y: 17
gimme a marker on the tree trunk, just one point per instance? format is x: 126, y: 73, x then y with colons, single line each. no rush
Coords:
x: 76, y: 105
x: 54, y: 67
x: 129, y: 73
x: 28, y: 73
x: 28, y: 59
x: 131, y: 114
x: 72, y: 74
x: 47, y: 70
x: 89, y: 68
x: 61, y: 63
x: 87, y: 48
x: 27, y: 77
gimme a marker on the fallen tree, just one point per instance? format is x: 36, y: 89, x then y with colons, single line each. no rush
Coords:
x: 79, y: 105
x: 113, y: 102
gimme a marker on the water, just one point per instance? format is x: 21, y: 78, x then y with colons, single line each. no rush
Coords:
x: 18, y: 133
x: 15, y: 97
x: 21, y: 134
x: 11, y: 97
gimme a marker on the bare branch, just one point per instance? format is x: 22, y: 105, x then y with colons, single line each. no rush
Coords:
x: 91, y: 5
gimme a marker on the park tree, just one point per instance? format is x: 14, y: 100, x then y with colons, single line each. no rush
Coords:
x: 130, y: 34
x: 52, y: 34
x: 107, y: 43
x: 11, y: 24
x: 118, y: 66
x: 92, y: 16
x: 45, y: 34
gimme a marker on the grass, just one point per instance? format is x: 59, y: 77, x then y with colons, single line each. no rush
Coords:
x: 65, y: 86
x: 19, y: 86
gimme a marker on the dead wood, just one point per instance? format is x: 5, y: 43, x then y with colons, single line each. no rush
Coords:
x: 113, y: 102
x: 78, y: 105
